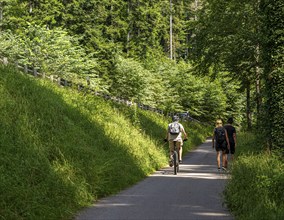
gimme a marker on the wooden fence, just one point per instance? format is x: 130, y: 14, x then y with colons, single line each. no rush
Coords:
x: 67, y: 83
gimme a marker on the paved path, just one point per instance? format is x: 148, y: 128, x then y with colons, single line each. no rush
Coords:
x: 194, y: 194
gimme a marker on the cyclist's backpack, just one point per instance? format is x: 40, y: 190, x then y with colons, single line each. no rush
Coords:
x: 174, y: 128
x: 220, y: 134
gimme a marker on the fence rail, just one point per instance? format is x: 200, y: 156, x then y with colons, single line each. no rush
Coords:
x: 67, y: 83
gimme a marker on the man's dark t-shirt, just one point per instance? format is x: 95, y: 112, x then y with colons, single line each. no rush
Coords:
x: 230, y: 131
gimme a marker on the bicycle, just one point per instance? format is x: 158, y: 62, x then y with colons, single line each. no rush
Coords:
x: 176, y: 159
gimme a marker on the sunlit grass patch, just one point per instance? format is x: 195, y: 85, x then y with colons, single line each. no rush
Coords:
x: 62, y: 149
x: 256, y: 188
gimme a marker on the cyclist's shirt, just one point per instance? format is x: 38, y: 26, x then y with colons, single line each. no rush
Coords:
x: 175, y: 137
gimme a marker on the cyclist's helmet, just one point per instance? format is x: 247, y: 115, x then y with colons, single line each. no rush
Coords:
x: 175, y: 118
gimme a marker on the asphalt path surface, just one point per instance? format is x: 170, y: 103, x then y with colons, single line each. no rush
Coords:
x: 195, y: 193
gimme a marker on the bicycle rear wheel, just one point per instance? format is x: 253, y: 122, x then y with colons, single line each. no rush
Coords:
x: 176, y: 163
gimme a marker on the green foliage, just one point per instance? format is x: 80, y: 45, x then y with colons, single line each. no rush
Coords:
x: 130, y: 79
x: 273, y: 71
x: 171, y: 87
x: 61, y: 149
x: 226, y: 36
x: 255, y: 190
x: 9, y: 45
x: 236, y: 101
x: 245, y: 39
x: 52, y: 52
x: 136, y: 32
x: 227, y: 39
x: 168, y: 71
x: 202, y: 97
x: 135, y: 27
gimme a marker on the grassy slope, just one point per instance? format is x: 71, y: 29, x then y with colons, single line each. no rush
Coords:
x: 256, y: 189
x: 60, y: 150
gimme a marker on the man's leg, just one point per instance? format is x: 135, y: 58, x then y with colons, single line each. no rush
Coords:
x: 180, y: 153
x: 232, y: 150
x: 224, y: 159
x: 179, y: 147
x: 171, y: 148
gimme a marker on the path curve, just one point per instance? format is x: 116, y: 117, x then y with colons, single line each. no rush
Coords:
x: 194, y: 194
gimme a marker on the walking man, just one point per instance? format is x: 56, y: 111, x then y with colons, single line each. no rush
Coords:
x: 231, y: 131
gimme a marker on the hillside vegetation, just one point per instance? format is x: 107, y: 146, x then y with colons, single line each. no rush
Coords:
x: 256, y: 189
x: 61, y: 149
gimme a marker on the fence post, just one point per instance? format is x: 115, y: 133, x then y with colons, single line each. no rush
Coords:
x: 17, y: 64
x: 5, y: 60
x: 26, y: 68
x: 58, y: 81
x: 34, y: 71
x: 88, y: 80
x: 51, y: 78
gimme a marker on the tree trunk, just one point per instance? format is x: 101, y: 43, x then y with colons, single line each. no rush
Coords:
x: 257, y: 73
x: 195, y: 9
x: 258, y: 95
x: 248, y: 110
x: 1, y: 12
x: 128, y: 33
x: 171, y: 31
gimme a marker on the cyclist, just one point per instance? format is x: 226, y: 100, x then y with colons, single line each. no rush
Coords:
x: 221, y: 143
x: 175, y: 132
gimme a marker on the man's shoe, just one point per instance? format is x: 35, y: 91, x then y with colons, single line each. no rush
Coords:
x: 180, y: 161
x: 224, y: 168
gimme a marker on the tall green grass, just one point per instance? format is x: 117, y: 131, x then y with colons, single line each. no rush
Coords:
x: 60, y: 150
x: 256, y: 188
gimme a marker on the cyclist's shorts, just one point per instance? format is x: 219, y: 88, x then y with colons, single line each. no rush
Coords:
x: 171, y: 143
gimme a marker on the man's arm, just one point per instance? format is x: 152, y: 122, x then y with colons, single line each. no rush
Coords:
x: 183, y: 131
x: 213, y: 138
x: 167, y: 136
x: 227, y: 139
